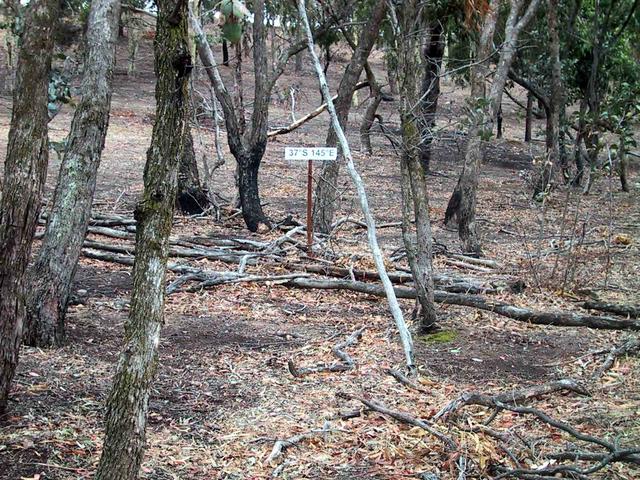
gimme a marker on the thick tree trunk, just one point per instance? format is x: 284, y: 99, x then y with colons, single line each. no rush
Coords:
x: 248, y: 169
x: 127, y: 404
x: 433, y: 53
x: 192, y: 197
x: 25, y: 171
x: 50, y: 277
x: 326, y: 194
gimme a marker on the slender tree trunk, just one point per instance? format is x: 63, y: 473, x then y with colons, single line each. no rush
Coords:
x: 499, y: 122
x: 433, y: 53
x: 552, y: 165
x: 415, y: 194
x: 225, y: 53
x: 528, y: 122
x: 128, y: 400
x: 326, y: 194
x: 463, y: 200
x: 51, y: 276
x: 25, y: 171
x: 367, y: 122
x: 623, y: 167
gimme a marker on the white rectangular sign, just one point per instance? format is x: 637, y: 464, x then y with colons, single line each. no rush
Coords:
x: 310, y: 153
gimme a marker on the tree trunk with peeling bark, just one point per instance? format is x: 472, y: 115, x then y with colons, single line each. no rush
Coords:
x: 51, y: 275
x: 25, y: 171
x: 127, y: 404
x: 326, y: 194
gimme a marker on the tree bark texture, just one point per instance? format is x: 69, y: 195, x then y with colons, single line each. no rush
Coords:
x: 50, y: 277
x: 415, y: 196
x: 482, y: 114
x: 127, y: 404
x: 433, y: 53
x: 326, y: 194
x: 25, y: 172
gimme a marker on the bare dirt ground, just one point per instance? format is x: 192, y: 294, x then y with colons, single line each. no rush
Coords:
x: 223, y: 393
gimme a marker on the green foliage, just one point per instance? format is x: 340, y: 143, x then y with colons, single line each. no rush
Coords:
x: 443, y: 336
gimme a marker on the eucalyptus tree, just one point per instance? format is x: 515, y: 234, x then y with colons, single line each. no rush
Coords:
x: 128, y: 401
x: 411, y: 27
x: 483, y: 109
x: 25, y: 171
x: 248, y: 141
x: 50, y: 277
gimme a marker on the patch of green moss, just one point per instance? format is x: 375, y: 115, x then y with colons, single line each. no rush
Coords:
x: 443, y: 336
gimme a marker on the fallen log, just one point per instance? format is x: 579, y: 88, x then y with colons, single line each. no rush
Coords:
x: 558, y: 319
x: 514, y: 397
x: 632, y: 311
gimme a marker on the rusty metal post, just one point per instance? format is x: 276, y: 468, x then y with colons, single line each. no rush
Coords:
x: 309, y: 207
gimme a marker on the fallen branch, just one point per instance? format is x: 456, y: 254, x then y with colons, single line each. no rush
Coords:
x: 281, y: 445
x: 404, y: 380
x: 559, y: 319
x: 403, y: 417
x: 338, y: 350
x: 512, y: 398
x: 632, y: 311
x: 629, y: 346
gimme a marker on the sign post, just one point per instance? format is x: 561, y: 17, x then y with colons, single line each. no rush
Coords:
x: 312, y: 154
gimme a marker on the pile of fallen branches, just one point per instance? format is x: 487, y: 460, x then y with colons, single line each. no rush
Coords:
x: 287, y: 252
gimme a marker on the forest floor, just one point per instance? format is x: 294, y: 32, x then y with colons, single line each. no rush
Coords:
x: 224, y: 394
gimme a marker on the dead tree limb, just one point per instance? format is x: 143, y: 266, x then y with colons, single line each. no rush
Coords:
x: 403, y: 417
x: 632, y: 311
x: 404, y: 380
x: 338, y: 350
x: 512, y: 398
x: 631, y: 345
x: 281, y: 445
x: 376, y: 252
x: 309, y: 116
x: 559, y: 319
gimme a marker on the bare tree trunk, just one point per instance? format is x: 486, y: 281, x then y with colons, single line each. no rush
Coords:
x: 326, y: 194
x: 415, y: 195
x: 405, y: 335
x: 623, y: 166
x: 128, y: 400
x: 25, y: 171
x: 367, y: 121
x: 482, y: 115
x: 433, y: 52
x: 528, y: 122
x: 225, y: 53
x: 552, y: 165
x: 50, y: 277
